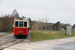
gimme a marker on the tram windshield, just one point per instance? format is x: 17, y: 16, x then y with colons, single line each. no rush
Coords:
x: 20, y: 24
x: 16, y: 24
x: 25, y: 24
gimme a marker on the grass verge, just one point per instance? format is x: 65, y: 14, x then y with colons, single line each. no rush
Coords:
x: 5, y: 34
x: 48, y: 35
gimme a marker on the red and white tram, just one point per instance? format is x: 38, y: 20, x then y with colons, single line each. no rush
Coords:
x: 21, y: 28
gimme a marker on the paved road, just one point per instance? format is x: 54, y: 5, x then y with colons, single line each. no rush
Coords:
x: 42, y: 45
x: 65, y: 46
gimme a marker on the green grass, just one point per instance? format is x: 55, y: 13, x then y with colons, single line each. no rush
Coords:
x: 42, y: 35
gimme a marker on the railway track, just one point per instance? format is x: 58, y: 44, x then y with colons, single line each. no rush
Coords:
x: 7, y: 42
x: 11, y: 42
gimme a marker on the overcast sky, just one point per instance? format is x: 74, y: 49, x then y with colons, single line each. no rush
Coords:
x: 55, y: 10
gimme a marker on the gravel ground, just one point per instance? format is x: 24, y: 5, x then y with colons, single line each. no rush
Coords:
x: 6, y: 38
x: 9, y: 40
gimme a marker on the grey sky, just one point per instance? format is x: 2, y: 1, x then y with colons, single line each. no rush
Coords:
x: 55, y: 10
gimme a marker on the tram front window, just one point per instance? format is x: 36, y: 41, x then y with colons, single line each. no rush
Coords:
x: 25, y: 24
x: 20, y: 24
x: 16, y: 24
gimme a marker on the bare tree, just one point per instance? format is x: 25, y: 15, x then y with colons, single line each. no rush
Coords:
x: 46, y: 21
x: 15, y: 14
x: 41, y: 21
x: 36, y: 26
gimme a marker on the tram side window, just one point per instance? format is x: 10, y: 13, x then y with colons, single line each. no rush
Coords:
x: 16, y: 24
x: 25, y: 24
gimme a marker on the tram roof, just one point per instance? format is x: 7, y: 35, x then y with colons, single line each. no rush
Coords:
x: 20, y: 20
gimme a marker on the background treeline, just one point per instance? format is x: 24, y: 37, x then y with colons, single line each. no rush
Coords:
x: 48, y: 26
x: 7, y: 21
